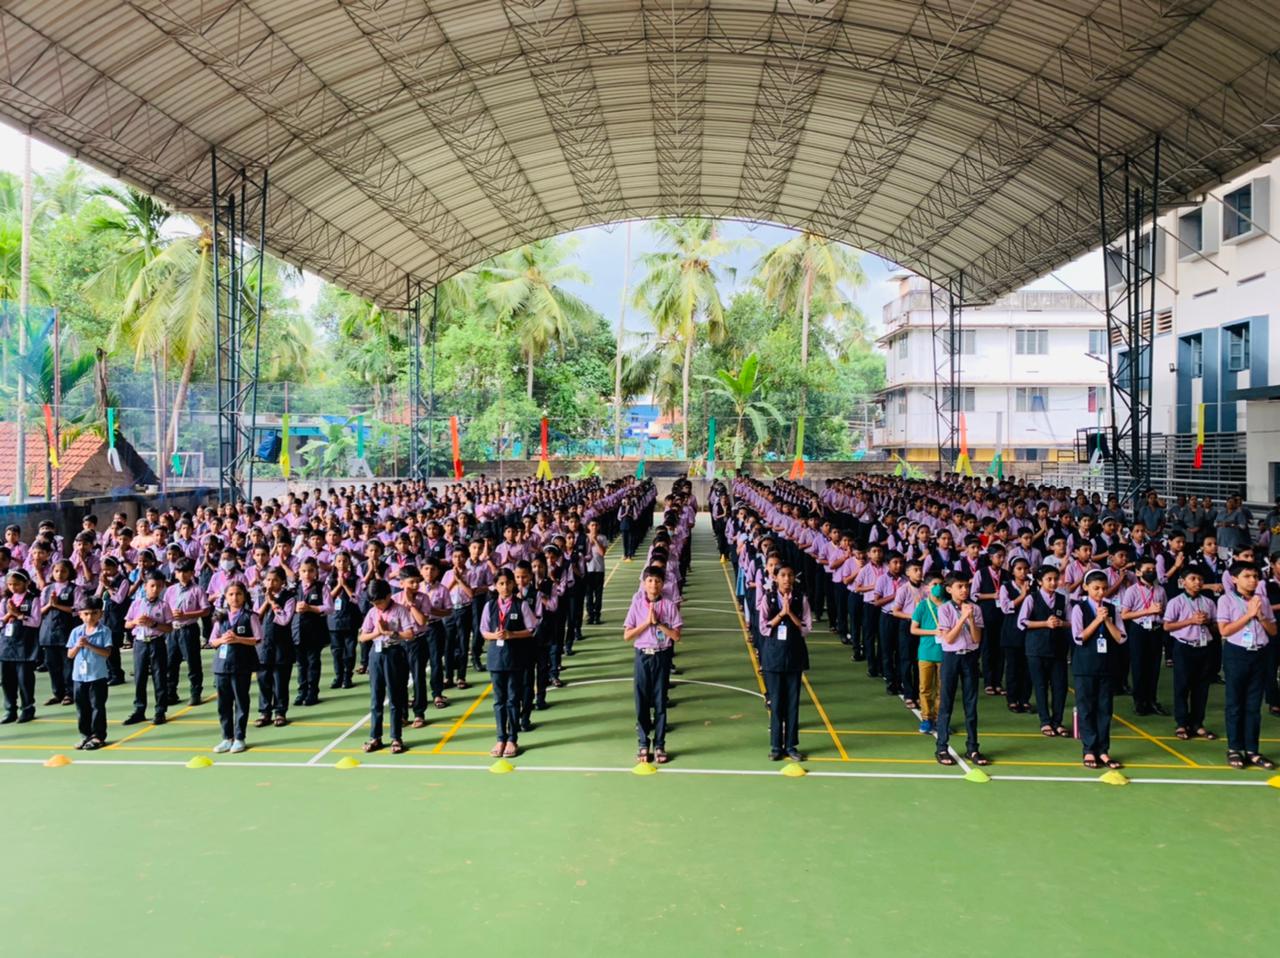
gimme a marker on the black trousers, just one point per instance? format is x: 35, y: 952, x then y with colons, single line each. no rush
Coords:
x: 1017, y: 680
x: 458, y: 629
x: 1049, y: 679
x: 1245, y: 676
x: 889, y: 649
x: 651, y: 675
x: 91, y: 708
x: 992, y: 653
x: 59, y: 667
x: 418, y: 651
x: 273, y: 690
x: 855, y: 622
x: 18, y: 679
x: 573, y: 616
x: 783, y: 689
x: 537, y: 675
x: 595, y: 595
x: 114, y: 665
x: 342, y: 646
x: 233, y: 703
x: 507, y: 691
x: 908, y: 661
x: 962, y: 671
x: 1146, y: 649
x: 309, y: 652
x: 1273, y: 668
x: 871, y: 637
x: 477, y: 613
x: 184, y: 646
x: 1192, y: 672
x: 437, y: 655
x: 150, y: 660
x: 840, y: 602
x: 388, y: 679
x: 1093, y: 712
x: 555, y: 638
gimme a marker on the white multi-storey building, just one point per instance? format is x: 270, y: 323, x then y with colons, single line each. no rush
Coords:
x: 1218, y: 281
x: 1032, y: 373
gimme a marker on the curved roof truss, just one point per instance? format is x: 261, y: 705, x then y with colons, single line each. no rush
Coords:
x: 410, y: 139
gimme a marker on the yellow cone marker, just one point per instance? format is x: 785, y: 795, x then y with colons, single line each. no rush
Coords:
x: 501, y: 767
x: 56, y: 761
x: 200, y: 761
x: 644, y: 768
x: 794, y: 770
x: 1113, y: 777
x: 347, y: 762
x: 977, y: 775
x: 1274, y: 781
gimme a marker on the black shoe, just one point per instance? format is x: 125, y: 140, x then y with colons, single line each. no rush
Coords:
x: 477, y: 667
x: 1143, y: 710
x: 775, y: 756
x: 348, y: 684
x: 195, y: 699
x: 300, y: 700
x: 569, y: 652
x: 172, y: 699
x: 159, y: 719
x: 9, y: 718
x: 26, y: 716
x: 336, y: 684
x: 526, y: 725
x: 136, y: 718
x: 118, y: 680
x: 1159, y: 709
x: 310, y: 702
x: 859, y: 657
x: 540, y: 705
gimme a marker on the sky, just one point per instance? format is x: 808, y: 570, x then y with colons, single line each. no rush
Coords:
x: 601, y: 251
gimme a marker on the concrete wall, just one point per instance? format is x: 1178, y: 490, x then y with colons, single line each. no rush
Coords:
x: 67, y: 515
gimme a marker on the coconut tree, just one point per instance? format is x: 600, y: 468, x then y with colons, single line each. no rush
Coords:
x: 525, y: 291
x: 679, y: 290
x: 743, y: 390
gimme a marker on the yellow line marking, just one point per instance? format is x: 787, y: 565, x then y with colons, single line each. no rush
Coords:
x: 453, y: 729
x: 746, y: 633
x: 147, y: 728
x: 825, y: 720
x: 1151, y: 738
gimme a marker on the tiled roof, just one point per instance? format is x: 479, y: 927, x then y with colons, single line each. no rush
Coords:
x: 71, y: 461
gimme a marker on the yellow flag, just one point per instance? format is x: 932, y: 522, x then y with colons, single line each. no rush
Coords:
x: 285, y: 464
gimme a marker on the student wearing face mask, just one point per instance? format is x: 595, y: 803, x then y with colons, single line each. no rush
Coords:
x: 924, y: 625
x: 1142, y: 613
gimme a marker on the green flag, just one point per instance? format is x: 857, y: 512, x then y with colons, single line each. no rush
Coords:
x: 640, y: 469
x: 711, y: 448
x: 997, y: 466
x: 359, y: 437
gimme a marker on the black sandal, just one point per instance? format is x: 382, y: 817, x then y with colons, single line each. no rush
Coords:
x: 978, y: 758
x: 1109, y: 762
x: 1205, y: 734
x: 1257, y: 760
x: 397, y: 746
x: 1062, y: 732
x: 1181, y: 733
x: 373, y: 745
x: 944, y: 758
x: 1048, y: 731
x: 1090, y: 762
x: 1235, y: 760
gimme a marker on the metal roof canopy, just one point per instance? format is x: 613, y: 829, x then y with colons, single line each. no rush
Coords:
x: 409, y: 139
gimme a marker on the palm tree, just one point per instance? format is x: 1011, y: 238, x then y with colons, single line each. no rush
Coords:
x: 32, y: 353
x: 679, y: 290
x: 525, y: 291
x: 380, y: 340
x: 743, y: 390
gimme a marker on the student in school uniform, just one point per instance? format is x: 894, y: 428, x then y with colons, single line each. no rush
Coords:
x: 924, y: 626
x: 113, y: 589
x: 909, y: 594
x: 506, y: 625
x: 1142, y: 611
x: 88, y: 649
x: 1247, y: 625
x: 344, y: 617
x: 597, y: 545
x: 785, y: 620
x: 960, y: 636
x: 537, y: 591
x: 1272, y: 589
x: 1013, y: 639
x: 1043, y: 619
x: 310, y: 630
x: 275, y: 610
x: 881, y: 597
x: 387, y: 627
x: 1096, y: 635
x: 150, y: 620
x: 438, y: 611
x: 458, y: 625
x: 19, y: 648
x: 652, y: 625
x: 58, y: 603
x: 1190, y: 619
x: 235, y: 638
x: 188, y: 605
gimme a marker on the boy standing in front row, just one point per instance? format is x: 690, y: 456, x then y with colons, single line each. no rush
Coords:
x: 960, y: 635
x: 652, y: 626
x: 785, y: 619
x: 1248, y: 626
x: 88, y: 649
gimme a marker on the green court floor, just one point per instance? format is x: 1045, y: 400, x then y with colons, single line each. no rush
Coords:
x: 878, y: 848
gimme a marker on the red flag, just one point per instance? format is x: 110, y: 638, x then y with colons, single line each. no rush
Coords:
x: 53, y: 439
x: 457, y: 454
x: 1199, y: 460
x: 544, y: 438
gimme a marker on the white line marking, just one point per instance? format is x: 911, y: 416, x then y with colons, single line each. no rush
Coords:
x: 315, y: 759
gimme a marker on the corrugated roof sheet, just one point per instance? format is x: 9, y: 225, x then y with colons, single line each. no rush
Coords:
x: 408, y: 139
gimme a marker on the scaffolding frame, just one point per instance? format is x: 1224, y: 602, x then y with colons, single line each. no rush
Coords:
x: 423, y: 407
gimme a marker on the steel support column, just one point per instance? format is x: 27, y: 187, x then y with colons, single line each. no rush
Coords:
x: 238, y: 200
x: 422, y: 403
x: 946, y: 367
x: 1128, y: 196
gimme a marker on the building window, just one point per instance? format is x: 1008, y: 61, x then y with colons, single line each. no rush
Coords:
x: 1032, y: 342
x: 1097, y: 399
x: 1237, y: 347
x: 1031, y: 399
x: 968, y: 399
x: 1097, y: 342
x: 1195, y: 356
x: 1191, y: 231
x: 968, y: 342
x: 902, y: 347
x: 1237, y: 212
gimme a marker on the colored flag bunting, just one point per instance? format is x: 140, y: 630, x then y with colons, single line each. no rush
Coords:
x: 797, y: 467
x: 286, y: 464
x: 359, y: 437
x: 963, y: 466
x: 457, y: 452
x: 53, y: 437
x: 1199, y: 460
x: 711, y: 448
x: 544, y: 466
